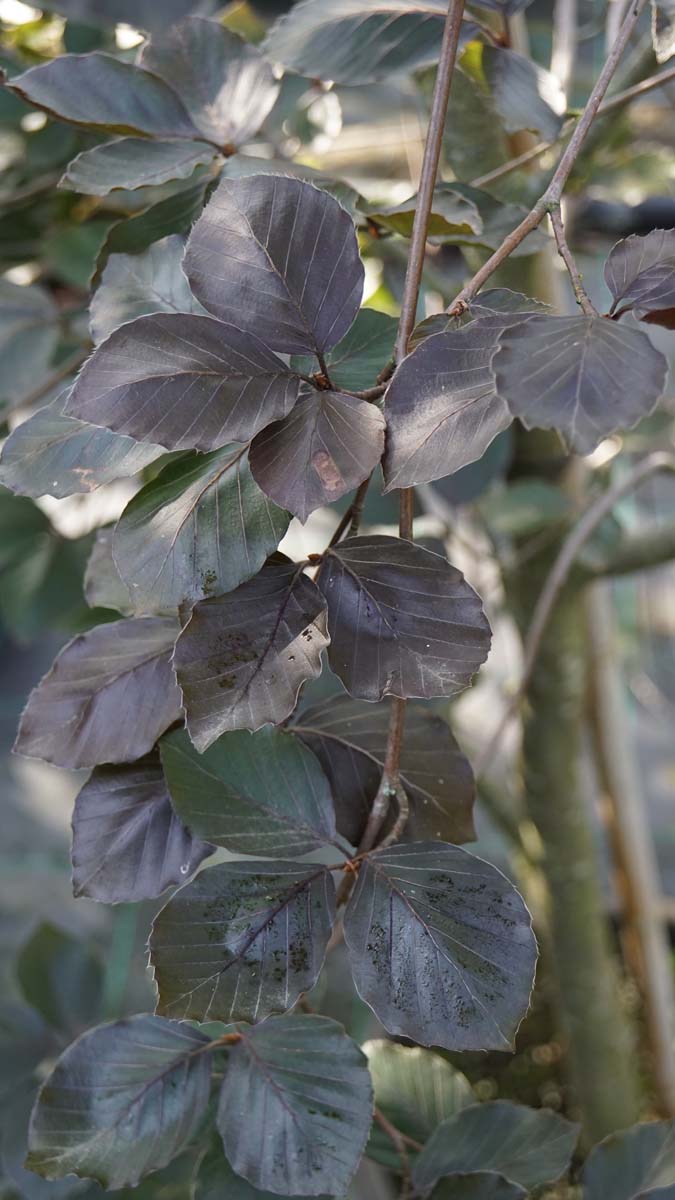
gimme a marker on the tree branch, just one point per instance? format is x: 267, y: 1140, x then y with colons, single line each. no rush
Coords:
x: 609, y: 105
x: 551, y: 197
x: 557, y: 578
x: 572, y: 269
x: 390, y: 783
x: 638, y: 552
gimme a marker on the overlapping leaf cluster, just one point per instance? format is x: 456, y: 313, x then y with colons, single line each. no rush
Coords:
x: 243, y: 356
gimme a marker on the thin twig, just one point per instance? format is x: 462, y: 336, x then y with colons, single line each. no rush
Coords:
x: 356, y: 509
x: 557, y: 578
x: 551, y: 197
x: 608, y: 105
x: 389, y: 782
x: 572, y: 268
x: 638, y: 89
x: 400, y: 1142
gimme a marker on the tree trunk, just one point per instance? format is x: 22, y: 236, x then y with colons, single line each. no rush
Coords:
x: 601, y: 1062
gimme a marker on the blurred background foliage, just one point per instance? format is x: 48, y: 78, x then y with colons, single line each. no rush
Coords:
x: 67, y: 964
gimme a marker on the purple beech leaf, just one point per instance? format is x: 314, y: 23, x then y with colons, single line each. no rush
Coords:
x: 632, y: 1162
x: 262, y: 793
x: 141, y: 14
x: 175, y: 214
x: 101, y: 92
x: 128, y: 843
x: 360, y: 41
x: 324, y: 448
x: 499, y: 219
x: 491, y: 303
x: 52, y: 454
x: 183, y: 381
x: 529, y: 1147
x: 242, y: 658
x: 109, y: 695
x: 103, y: 587
x: 441, y: 947
x: 349, y: 737
x: 133, y: 163
x: 313, y: 1123
x: 583, y: 376
x: 441, y: 407
x: 141, y: 1084
x: 479, y: 1185
x: 29, y: 335
x: 355, y: 363
x: 243, y: 941
x: 215, y: 1179
x: 525, y: 96
x: 225, y: 83
x: 279, y: 259
x: 402, y: 620
x: 640, y: 274
x: 201, y: 527
x: 134, y: 285
x: 451, y: 213
x: 242, y: 166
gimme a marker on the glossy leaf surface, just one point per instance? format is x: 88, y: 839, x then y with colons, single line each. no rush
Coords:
x: 313, y: 1123
x: 133, y: 163
x: 358, y: 41
x: 243, y: 657
x: 141, y: 14
x: 480, y: 1185
x: 451, y: 213
x: 108, y: 697
x: 524, y: 95
x: 141, y: 1083
x: 215, y: 1179
x: 640, y: 273
x: 200, y: 528
x: 442, y: 408
x: 100, y: 92
x: 349, y: 738
x: 402, y: 621
x: 279, y: 259
x: 630, y: 1162
x: 128, y: 843
x: 224, y: 82
x: 581, y: 375
x: 137, y: 285
x: 184, y: 381
x: 527, y: 1146
x: 327, y: 445
x: 430, y: 911
x: 28, y: 338
x: 56, y: 455
x: 134, y: 285
x: 262, y: 793
x: 356, y: 361
x: 242, y: 941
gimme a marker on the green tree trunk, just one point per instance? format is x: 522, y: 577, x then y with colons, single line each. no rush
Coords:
x: 602, y: 1064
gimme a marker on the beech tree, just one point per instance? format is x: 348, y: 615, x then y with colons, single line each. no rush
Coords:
x: 231, y: 371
